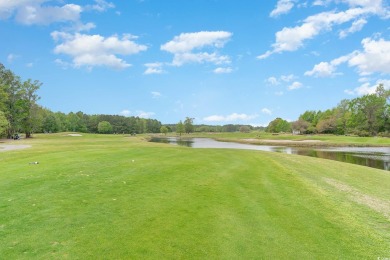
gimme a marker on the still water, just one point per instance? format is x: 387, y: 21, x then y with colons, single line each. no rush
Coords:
x: 376, y: 157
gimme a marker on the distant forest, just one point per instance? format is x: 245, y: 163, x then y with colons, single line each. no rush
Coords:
x: 368, y: 115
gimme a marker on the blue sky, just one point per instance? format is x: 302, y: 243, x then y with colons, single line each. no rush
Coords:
x: 218, y: 61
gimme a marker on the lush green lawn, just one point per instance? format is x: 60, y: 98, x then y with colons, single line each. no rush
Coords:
x: 116, y: 197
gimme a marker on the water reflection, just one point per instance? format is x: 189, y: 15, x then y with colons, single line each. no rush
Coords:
x: 376, y: 157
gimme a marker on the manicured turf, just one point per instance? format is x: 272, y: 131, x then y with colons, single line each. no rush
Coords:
x: 116, y: 197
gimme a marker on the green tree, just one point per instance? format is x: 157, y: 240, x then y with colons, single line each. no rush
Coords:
x: 164, y: 130
x: 104, y: 127
x: 245, y: 129
x: 3, y: 123
x: 300, y: 126
x: 51, y: 124
x: 188, y: 125
x: 369, y: 113
x: 29, y: 106
x: 180, y: 128
x: 279, y: 125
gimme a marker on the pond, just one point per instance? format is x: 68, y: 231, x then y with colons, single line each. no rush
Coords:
x: 376, y: 157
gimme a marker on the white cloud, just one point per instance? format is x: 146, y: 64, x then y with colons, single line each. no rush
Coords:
x: 154, y: 68
x: 287, y: 78
x: 96, y: 50
x: 321, y: 2
x: 293, y: 38
x: 184, y: 47
x: 143, y: 114
x: 156, y: 94
x: 48, y: 14
x: 186, y: 42
x: 273, y: 81
x: 283, y: 78
x: 223, y: 70
x: 266, y: 111
x: 279, y: 93
x: 374, y: 58
x: 367, y: 88
x: 327, y: 69
x: 322, y: 69
x: 232, y: 117
x: 282, y: 7
x: 276, y: 81
x: 355, y: 27
x: 101, y: 6
x: 44, y: 12
x: 125, y: 113
x: 139, y: 113
x: 295, y: 85
x: 79, y: 27
x: 202, y: 57
x: 12, y: 57
x: 35, y: 12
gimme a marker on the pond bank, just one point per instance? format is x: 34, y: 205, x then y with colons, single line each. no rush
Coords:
x: 297, y: 143
x: 375, y: 157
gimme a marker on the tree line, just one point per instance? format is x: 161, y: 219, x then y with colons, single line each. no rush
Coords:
x: 20, y: 113
x: 368, y: 115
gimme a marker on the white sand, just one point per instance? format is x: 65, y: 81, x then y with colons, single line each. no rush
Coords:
x: 12, y: 147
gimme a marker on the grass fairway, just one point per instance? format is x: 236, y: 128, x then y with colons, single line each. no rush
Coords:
x: 116, y: 197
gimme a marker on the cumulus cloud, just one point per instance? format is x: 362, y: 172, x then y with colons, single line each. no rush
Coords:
x: 374, y: 58
x: 282, y: 7
x: 96, y: 50
x: 327, y: 69
x: 293, y: 38
x: 223, y: 70
x: 295, y: 85
x: 100, y: 6
x: 228, y: 118
x: 139, y: 113
x: 125, y: 113
x: 287, y: 78
x: 34, y: 12
x: 355, y: 27
x: 154, y: 68
x: 367, y: 88
x: 49, y: 14
x: 45, y: 12
x: 266, y: 111
x: 277, y: 81
x: 273, y: 81
x: 184, y: 47
x: 143, y: 114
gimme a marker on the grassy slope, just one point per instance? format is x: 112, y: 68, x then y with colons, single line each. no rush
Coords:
x: 87, y: 198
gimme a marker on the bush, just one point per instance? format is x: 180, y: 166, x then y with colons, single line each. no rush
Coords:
x: 384, y: 134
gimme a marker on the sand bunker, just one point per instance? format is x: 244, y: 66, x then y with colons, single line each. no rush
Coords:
x: 74, y: 134
x: 11, y: 147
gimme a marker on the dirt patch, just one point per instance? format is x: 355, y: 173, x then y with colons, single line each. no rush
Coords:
x: 12, y: 147
x: 74, y: 135
x: 376, y: 204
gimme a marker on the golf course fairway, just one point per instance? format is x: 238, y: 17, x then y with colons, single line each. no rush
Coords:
x: 120, y: 197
